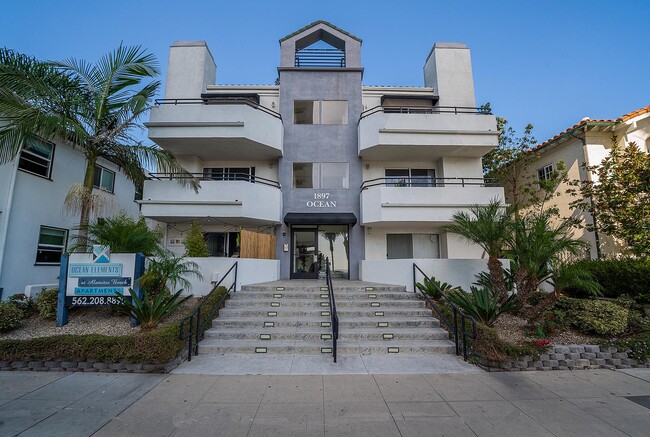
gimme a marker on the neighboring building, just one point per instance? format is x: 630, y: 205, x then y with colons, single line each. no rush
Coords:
x: 365, y: 176
x: 35, y: 228
x: 588, y: 142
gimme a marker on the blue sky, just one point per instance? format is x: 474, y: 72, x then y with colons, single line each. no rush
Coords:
x: 549, y: 63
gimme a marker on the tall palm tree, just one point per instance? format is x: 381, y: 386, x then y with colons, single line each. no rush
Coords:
x: 486, y: 226
x: 92, y: 107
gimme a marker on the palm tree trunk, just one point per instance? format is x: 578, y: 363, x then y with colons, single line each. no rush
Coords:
x: 497, y: 275
x: 86, y: 203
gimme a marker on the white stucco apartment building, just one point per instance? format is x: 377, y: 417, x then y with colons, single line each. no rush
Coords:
x: 35, y: 227
x: 366, y: 176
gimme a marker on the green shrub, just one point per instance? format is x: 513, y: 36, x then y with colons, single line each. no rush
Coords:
x: 597, y: 316
x: 618, y: 276
x: 195, y: 244
x: 149, y: 311
x: 11, y: 316
x: 637, y: 347
x: 549, y: 323
x: 432, y: 287
x: 489, y: 346
x: 482, y: 304
x: 25, y: 303
x: 46, y: 303
x: 158, y: 345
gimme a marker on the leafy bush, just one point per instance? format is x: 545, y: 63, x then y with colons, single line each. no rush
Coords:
x: 46, y: 303
x: 598, y: 316
x: 195, y: 244
x: 552, y: 322
x: 149, y: 311
x: 123, y: 233
x: 167, y: 271
x: 11, y: 316
x: 24, y: 303
x: 432, y: 287
x: 482, y: 304
x: 158, y: 345
x: 618, y: 276
x: 574, y: 277
x: 637, y: 347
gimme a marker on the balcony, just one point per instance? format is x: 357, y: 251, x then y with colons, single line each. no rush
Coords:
x: 226, y: 128
x: 428, y: 133
x: 433, y: 201
x: 238, y: 199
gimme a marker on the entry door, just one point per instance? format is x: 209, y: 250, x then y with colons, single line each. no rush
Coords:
x: 304, y: 254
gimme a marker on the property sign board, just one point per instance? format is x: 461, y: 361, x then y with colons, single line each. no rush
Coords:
x: 91, y: 279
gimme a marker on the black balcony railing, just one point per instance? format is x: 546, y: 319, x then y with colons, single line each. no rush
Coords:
x: 227, y: 177
x: 424, y: 181
x: 425, y: 110
x: 207, y: 100
x: 332, y: 58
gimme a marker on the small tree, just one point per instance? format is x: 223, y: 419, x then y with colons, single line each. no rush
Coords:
x: 618, y: 197
x: 195, y: 244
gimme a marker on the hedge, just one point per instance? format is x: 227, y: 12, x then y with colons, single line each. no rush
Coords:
x: 597, y: 316
x: 158, y: 345
x: 620, y: 276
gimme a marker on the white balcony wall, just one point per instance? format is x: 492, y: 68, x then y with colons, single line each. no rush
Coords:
x: 387, y: 136
x: 217, y: 131
x: 249, y: 271
x: 433, y: 205
x: 251, y: 203
x: 457, y: 272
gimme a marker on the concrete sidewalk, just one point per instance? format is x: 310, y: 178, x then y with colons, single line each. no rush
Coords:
x: 578, y: 403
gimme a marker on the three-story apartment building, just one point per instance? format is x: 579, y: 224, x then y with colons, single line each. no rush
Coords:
x: 364, y: 176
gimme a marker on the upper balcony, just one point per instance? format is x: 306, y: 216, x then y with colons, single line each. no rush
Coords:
x: 430, y: 201
x: 224, y: 128
x: 238, y: 199
x: 429, y: 133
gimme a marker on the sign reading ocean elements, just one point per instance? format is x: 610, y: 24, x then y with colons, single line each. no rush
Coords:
x: 95, y: 279
x: 321, y: 200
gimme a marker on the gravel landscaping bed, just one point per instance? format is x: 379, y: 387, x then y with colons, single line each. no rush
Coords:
x: 513, y: 329
x: 89, y: 320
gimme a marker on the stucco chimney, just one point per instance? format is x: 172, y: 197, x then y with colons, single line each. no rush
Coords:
x: 448, y: 69
x: 191, y: 67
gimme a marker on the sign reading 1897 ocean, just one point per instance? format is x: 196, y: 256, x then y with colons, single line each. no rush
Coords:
x: 95, y: 278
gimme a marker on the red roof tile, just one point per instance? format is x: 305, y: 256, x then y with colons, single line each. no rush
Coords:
x: 633, y: 114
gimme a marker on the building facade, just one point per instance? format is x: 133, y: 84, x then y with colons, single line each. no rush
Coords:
x: 363, y: 176
x: 35, y: 225
x: 587, y: 142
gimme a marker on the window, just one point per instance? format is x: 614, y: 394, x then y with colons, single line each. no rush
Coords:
x: 230, y: 173
x: 412, y: 246
x: 104, y: 179
x: 545, y: 172
x: 325, y: 175
x: 37, y: 159
x: 414, y: 177
x: 51, y: 244
x: 222, y: 244
x: 320, y: 112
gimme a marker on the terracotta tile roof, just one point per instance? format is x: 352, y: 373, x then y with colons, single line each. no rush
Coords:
x: 565, y: 132
x: 633, y: 114
x: 316, y: 23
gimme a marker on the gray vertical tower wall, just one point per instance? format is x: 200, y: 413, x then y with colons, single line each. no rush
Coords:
x: 321, y: 143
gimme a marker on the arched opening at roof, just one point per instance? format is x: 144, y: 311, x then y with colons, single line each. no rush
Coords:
x: 320, y: 49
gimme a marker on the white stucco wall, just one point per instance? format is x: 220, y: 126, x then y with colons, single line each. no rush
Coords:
x: 39, y: 201
x: 249, y: 271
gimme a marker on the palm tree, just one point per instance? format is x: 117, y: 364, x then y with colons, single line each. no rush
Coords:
x: 486, y: 226
x: 92, y: 108
x: 535, y: 245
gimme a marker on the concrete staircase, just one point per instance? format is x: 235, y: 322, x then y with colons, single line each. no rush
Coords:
x: 292, y: 317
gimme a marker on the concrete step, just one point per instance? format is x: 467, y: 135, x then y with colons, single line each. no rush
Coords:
x: 344, y: 347
x: 338, y: 295
x: 318, y: 312
x: 320, y: 303
x: 312, y: 334
x: 360, y: 322
x: 321, y: 286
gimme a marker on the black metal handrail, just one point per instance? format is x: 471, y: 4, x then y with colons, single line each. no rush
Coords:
x: 219, y: 101
x: 425, y: 181
x: 453, y: 326
x: 320, y: 58
x: 206, y: 176
x: 196, y: 328
x: 333, y: 316
x: 425, y: 110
